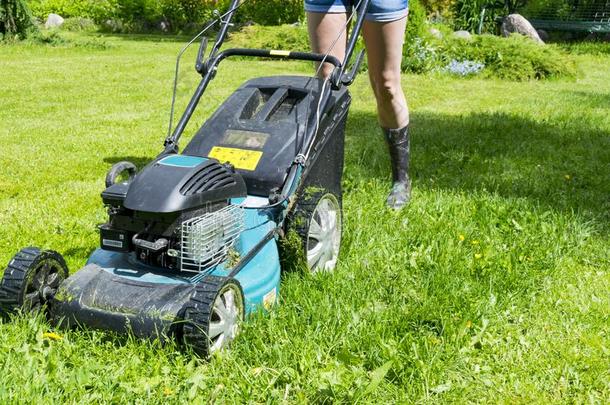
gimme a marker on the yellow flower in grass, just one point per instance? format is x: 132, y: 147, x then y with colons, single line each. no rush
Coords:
x: 567, y: 177
x: 51, y: 336
x: 474, y: 242
x: 478, y: 255
x: 461, y: 238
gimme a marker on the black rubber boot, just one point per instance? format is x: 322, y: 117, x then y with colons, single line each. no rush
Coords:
x: 398, y: 143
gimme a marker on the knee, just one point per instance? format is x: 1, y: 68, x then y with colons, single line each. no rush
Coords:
x: 387, y: 87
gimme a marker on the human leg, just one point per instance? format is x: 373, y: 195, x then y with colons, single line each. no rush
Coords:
x: 384, y: 42
x: 324, y: 30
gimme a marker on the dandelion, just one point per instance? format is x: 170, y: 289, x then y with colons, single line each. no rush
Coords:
x: 167, y: 391
x: 51, y: 336
x: 468, y: 324
x: 478, y: 255
x: 461, y: 238
x: 474, y: 242
x: 567, y: 177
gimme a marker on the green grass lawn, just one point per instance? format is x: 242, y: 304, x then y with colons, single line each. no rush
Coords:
x: 492, y: 286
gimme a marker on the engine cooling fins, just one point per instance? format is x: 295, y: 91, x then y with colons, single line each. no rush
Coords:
x: 211, y: 176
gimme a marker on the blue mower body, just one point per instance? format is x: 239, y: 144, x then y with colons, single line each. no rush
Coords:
x: 115, y: 291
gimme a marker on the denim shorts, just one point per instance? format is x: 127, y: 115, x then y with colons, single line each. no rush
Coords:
x: 379, y: 10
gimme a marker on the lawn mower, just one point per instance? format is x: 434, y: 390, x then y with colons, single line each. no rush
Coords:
x: 191, y: 242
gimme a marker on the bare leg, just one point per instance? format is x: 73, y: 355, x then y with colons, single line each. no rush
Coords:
x: 323, y: 30
x: 384, y: 42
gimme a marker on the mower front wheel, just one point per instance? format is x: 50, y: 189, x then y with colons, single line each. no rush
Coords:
x: 31, y: 280
x: 213, y: 315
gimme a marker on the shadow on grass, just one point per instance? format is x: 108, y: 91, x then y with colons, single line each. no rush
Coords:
x: 566, y: 167
x: 139, y: 161
x: 80, y: 252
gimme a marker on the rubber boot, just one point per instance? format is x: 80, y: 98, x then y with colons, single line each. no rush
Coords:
x: 398, y: 143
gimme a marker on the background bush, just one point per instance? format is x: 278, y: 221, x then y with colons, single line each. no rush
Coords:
x: 416, y: 22
x: 288, y: 37
x: 15, y: 19
x: 514, y: 58
x: 97, y: 10
x: 467, y: 15
x: 145, y: 15
x: 272, y: 12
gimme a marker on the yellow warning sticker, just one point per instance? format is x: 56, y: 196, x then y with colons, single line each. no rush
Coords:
x: 278, y: 52
x: 240, y: 158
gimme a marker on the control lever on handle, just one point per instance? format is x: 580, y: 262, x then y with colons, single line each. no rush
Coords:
x: 349, y: 78
x: 200, y: 54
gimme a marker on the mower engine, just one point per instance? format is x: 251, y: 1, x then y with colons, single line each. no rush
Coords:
x: 175, y: 214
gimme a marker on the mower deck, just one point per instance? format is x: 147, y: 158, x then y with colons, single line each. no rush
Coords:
x: 115, y: 291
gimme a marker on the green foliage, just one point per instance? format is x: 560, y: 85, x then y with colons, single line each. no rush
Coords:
x: 62, y: 39
x: 513, y: 58
x: 467, y: 15
x: 565, y: 9
x: 272, y: 12
x: 416, y: 22
x: 587, y: 47
x: 286, y: 37
x: 438, y: 8
x: 79, y: 24
x: 15, y: 19
x: 97, y: 10
x: 144, y: 15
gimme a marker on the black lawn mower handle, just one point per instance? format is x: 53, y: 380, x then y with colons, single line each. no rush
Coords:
x: 209, y: 66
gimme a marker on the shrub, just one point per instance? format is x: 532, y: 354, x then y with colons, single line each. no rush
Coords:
x: 15, y: 19
x: 416, y: 23
x: 513, y: 58
x: 467, y: 15
x: 438, y: 8
x: 272, y: 12
x: 135, y: 15
x: 97, y: 10
x: 79, y: 24
x: 286, y: 37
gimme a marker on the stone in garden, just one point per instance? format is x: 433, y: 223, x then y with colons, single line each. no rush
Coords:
x: 54, y: 21
x: 517, y: 23
x: 113, y: 25
x: 164, y: 26
x: 462, y: 35
x: 543, y: 35
x: 436, y: 33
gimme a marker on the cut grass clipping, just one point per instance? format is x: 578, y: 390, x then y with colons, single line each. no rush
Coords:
x: 491, y: 286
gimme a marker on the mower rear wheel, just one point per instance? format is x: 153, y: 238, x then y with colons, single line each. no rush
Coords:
x: 317, y: 219
x: 31, y: 280
x: 213, y: 315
